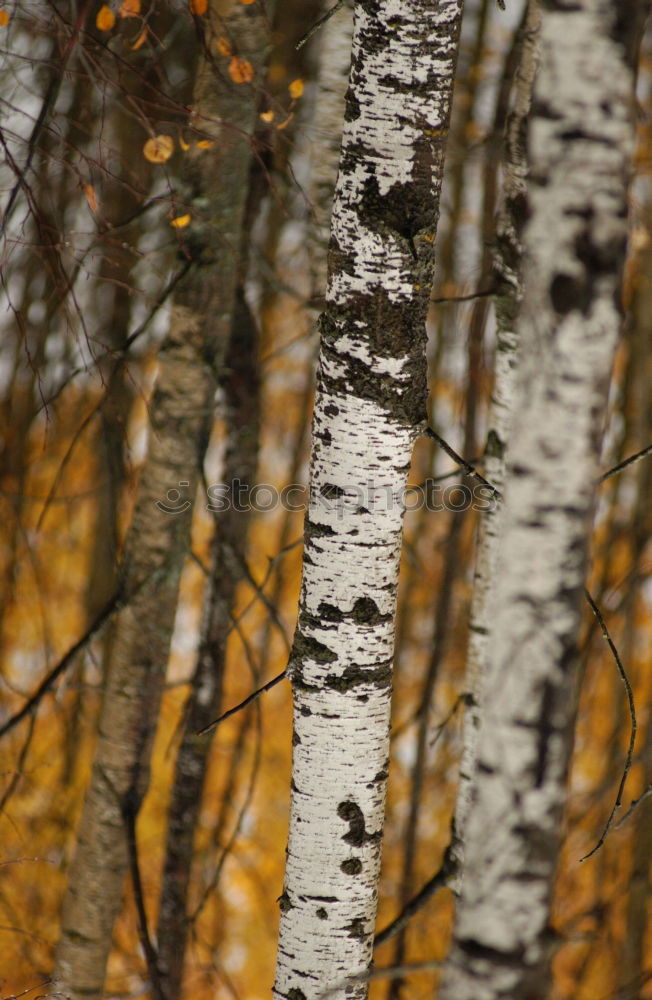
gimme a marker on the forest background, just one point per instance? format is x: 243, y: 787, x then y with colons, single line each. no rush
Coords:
x: 100, y: 141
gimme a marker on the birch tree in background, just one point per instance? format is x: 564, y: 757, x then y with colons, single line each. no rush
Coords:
x: 325, y: 130
x: 507, y: 266
x: 369, y: 409
x: 180, y: 417
x: 581, y: 145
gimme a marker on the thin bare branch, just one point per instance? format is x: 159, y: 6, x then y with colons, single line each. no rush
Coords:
x: 318, y: 24
x: 468, y: 468
x: 53, y: 675
x: 243, y: 704
x: 129, y: 814
x: 634, y: 804
x: 627, y: 461
x: 632, y: 716
x: 441, y: 878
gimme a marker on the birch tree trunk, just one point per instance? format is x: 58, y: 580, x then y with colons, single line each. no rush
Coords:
x: 242, y: 392
x: 369, y: 408
x: 581, y: 144
x: 180, y: 416
x: 334, y: 40
x: 507, y: 268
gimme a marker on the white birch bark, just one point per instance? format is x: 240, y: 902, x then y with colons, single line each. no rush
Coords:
x: 334, y: 40
x: 581, y: 145
x: 507, y: 269
x: 369, y: 408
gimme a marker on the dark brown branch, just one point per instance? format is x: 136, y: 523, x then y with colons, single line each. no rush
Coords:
x: 486, y: 293
x: 129, y: 814
x: 632, y: 716
x: 318, y: 24
x: 53, y: 675
x: 468, y: 468
x: 438, y: 881
x: 627, y: 461
x: 243, y: 704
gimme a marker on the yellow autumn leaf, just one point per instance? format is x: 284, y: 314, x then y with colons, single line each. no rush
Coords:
x: 4, y: 18
x: 204, y: 144
x: 91, y: 197
x: 140, y: 41
x: 159, y: 149
x: 184, y: 145
x: 267, y: 116
x: 284, y: 124
x: 240, y: 70
x: 129, y: 8
x: 180, y: 221
x: 105, y: 18
x: 296, y: 89
x: 198, y: 7
x: 245, y: 2
x: 223, y: 46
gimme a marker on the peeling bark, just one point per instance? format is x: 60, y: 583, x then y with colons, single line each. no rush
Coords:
x: 369, y: 408
x: 580, y: 151
x: 180, y: 416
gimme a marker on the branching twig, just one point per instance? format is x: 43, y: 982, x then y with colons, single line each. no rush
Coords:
x: 634, y: 804
x: 632, y: 716
x: 468, y: 468
x: 47, y: 104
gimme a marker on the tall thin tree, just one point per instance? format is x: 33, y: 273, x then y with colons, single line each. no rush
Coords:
x: 190, y: 360
x: 580, y: 149
x: 369, y: 409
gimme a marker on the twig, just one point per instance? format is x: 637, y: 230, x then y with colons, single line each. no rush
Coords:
x: 466, y: 298
x: 468, y: 468
x: 634, y: 804
x: 465, y: 698
x: 129, y: 813
x: 632, y: 715
x: 247, y: 701
x: 53, y: 675
x: 30, y: 989
x: 627, y: 461
x: 438, y: 880
x: 318, y: 24
x: 18, y: 772
x: 47, y: 104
